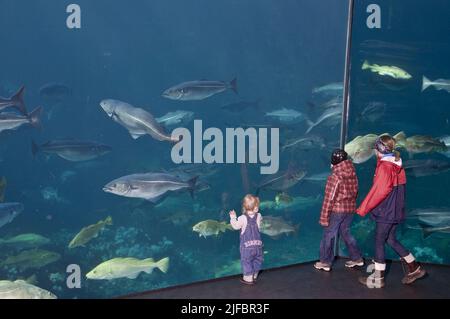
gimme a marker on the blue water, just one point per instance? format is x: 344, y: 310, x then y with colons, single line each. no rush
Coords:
x: 279, y: 52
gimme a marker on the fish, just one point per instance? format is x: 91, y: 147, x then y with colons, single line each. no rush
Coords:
x: 137, y: 121
x: 3, y: 184
x: 335, y: 88
x: 361, y: 148
x: 317, y: 178
x: 22, y: 241
x: 387, y: 70
x: 210, y: 227
x: 304, y: 143
x: 72, y: 149
x: 420, y: 144
x: 198, y: 90
x: 439, y: 84
x: 9, y: 211
x: 372, y: 112
x: 436, y: 217
x: 331, y: 117
x: 149, y: 186
x: 429, y: 230
x: 428, y: 167
x: 175, y: 118
x: 31, y: 259
x: 12, y: 121
x: 334, y: 102
x: 88, y: 233
x: 241, y: 106
x: 21, y: 289
x: 15, y: 101
x: 286, y: 115
x: 127, y: 268
x: 55, y: 91
x: 281, y: 181
x: 277, y: 226
x: 297, y: 203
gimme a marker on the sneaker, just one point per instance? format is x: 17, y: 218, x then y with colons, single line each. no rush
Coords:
x: 242, y: 280
x: 354, y: 263
x: 322, y: 266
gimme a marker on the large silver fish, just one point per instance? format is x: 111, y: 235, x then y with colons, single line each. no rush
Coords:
x: 198, y: 90
x: 336, y: 88
x: 137, y: 121
x: 71, y: 149
x: 331, y: 117
x: 9, y: 211
x: 12, y: 121
x: 439, y: 84
x: 15, y: 101
x: 281, y: 181
x: 150, y: 186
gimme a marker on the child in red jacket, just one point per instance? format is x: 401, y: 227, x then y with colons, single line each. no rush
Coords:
x: 337, y: 211
x: 386, y: 202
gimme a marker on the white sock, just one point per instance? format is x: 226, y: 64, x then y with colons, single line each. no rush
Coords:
x: 381, y: 267
x: 409, y: 259
x: 248, y: 278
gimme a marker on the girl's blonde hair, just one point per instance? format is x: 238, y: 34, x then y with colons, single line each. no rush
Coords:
x: 249, y: 203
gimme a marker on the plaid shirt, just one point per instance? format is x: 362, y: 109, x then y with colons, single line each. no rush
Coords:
x: 340, y: 192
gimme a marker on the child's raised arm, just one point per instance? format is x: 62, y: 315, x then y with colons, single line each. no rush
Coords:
x: 234, y: 221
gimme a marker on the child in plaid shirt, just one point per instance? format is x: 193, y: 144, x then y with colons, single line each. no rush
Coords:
x: 338, y: 207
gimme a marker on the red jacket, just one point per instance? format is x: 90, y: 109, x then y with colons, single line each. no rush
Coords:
x: 341, y: 191
x: 388, y: 175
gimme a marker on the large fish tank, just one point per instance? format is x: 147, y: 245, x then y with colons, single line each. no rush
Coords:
x: 288, y: 63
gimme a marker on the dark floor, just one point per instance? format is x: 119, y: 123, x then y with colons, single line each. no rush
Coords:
x: 303, y: 281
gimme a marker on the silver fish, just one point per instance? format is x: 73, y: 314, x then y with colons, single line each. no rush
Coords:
x: 137, y: 121
x: 15, y: 101
x: 198, y: 90
x: 175, y: 118
x: 281, y: 181
x: 11, y: 121
x: 286, y: 115
x: 439, y: 84
x: 150, y: 186
x: 71, y: 149
x: 419, y: 168
x: 9, y: 211
x: 335, y: 88
x: 304, y: 143
x: 331, y: 117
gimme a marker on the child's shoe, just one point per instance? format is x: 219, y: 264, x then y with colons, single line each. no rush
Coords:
x: 413, y: 272
x: 248, y: 280
x: 354, y: 263
x: 322, y: 266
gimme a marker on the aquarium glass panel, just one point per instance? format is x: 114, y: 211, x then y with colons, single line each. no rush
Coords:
x: 104, y: 193
x: 400, y: 84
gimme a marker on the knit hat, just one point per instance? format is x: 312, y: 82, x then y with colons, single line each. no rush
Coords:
x: 338, y: 156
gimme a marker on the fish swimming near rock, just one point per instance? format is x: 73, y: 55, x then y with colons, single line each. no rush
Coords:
x: 198, y: 90
x: 137, y: 121
x: 387, y: 70
x: 72, y: 149
x: 419, y: 168
x: 281, y: 181
x: 12, y: 121
x: 439, y: 84
x: 150, y: 186
x: 89, y: 232
x: 9, y: 211
x: 176, y: 118
x: 21, y: 289
x: 331, y: 117
x: 23, y: 241
x: 3, y: 184
x: 276, y: 226
x: 241, y: 106
x: 210, y: 227
x: 126, y: 268
x: 15, y: 101
x: 31, y: 259
x: 55, y: 91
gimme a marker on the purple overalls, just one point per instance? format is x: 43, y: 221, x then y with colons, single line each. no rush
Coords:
x: 251, y: 248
